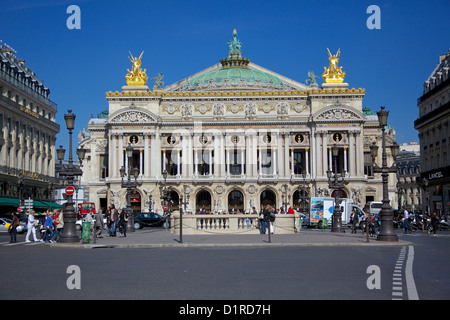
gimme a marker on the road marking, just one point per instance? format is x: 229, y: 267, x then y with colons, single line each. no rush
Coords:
x: 397, y: 276
x: 410, y: 284
x: 397, y: 282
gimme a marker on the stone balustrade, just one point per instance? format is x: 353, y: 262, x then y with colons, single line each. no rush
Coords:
x: 231, y: 224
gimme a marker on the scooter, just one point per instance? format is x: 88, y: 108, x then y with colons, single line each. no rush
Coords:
x: 444, y: 225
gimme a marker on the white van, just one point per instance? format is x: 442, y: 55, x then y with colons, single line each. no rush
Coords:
x: 324, y: 207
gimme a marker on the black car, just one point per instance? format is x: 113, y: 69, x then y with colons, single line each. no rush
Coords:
x: 148, y: 219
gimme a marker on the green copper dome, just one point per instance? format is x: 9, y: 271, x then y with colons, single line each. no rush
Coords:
x: 236, y: 69
x: 235, y: 75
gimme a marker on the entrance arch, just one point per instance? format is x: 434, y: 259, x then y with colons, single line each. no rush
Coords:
x: 203, y: 201
x: 300, y: 200
x: 268, y: 197
x: 135, y: 199
x: 174, y: 201
x: 235, y: 201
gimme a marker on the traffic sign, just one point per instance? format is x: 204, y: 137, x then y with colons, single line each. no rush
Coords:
x: 19, y: 209
x: 70, y: 190
x: 166, y: 207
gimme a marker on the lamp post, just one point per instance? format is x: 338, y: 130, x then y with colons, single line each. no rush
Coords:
x: 286, y: 199
x: 386, y: 214
x: 303, y: 191
x: 130, y: 185
x: 336, y: 182
x: 69, y: 231
x: 20, y: 185
x: 183, y: 204
x: 165, y: 196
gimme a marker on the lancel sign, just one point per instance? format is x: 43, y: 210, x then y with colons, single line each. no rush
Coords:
x: 435, y: 175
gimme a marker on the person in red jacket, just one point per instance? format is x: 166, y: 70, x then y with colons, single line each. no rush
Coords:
x: 291, y: 211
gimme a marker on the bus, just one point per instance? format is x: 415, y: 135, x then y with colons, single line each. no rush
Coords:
x: 83, y: 207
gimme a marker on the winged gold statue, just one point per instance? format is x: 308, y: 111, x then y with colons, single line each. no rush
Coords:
x: 136, y: 77
x: 333, y: 74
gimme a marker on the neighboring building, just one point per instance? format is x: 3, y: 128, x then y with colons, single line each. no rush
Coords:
x: 237, y: 134
x: 408, y: 181
x: 27, y: 134
x: 434, y: 135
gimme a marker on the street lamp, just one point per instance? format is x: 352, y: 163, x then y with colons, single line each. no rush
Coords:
x: 182, y: 210
x: 303, y: 191
x: 386, y: 214
x: 165, y: 198
x: 285, y: 197
x: 69, y: 231
x: 20, y: 187
x: 130, y: 185
x: 336, y: 182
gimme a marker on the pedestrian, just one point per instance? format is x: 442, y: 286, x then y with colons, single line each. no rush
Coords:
x: 269, y: 217
x: 30, y: 227
x: 354, y: 219
x: 272, y: 219
x: 123, y: 219
x: 434, y: 222
x: 262, y: 220
x: 55, y: 232
x: 108, y: 218
x: 99, y: 225
x: 114, y: 217
x: 48, y: 224
x: 60, y: 224
x: 406, y: 220
x: 13, y: 227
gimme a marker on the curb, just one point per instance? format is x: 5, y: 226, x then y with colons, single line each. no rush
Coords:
x: 235, y: 245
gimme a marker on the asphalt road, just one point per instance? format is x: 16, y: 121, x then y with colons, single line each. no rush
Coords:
x: 228, y: 273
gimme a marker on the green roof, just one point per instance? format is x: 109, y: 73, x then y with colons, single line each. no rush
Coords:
x: 235, y: 75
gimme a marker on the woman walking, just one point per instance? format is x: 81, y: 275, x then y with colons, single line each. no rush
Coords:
x: 13, y: 227
x: 434, y: 222
x: 123, y: 219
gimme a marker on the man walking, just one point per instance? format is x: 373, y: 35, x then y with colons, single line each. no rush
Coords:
x: 406, y: 220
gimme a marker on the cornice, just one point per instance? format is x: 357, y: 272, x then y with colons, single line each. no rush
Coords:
x: 162, y: 94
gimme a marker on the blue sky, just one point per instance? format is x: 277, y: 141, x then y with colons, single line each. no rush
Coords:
x: 180, y: 38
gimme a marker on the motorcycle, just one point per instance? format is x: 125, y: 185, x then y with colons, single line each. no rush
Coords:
x: 444, y: 225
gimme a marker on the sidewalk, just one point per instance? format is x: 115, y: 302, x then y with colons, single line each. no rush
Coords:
x: 159, y: 238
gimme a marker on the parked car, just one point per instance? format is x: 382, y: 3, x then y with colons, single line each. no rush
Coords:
x: 148, y: 219
x: 305, y: 220
x: 5, y: 222
x: 79, y: 222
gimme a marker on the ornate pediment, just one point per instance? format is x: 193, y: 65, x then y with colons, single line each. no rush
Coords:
x: 338, y: 113
x: 133, y: 116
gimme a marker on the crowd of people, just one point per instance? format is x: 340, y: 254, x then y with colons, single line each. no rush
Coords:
x: 52, y: 226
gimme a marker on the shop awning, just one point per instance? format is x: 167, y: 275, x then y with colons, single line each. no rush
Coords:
x: 36, y: 203
x: 9, y: 202
x: 46, y: 205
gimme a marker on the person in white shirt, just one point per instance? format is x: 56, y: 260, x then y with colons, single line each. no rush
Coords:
x: 30, y: 227
x: 405, y: 220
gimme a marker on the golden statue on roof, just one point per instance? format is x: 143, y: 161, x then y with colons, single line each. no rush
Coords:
x: 136, y: 77
x: 333, y: 74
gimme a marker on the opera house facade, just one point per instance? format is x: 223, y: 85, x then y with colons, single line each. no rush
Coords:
x: 233, y: 136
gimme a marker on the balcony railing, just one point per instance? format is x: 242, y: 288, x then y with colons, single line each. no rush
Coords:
x: 231, y: 224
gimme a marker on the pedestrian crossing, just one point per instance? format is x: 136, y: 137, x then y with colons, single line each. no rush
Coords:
x: 20, y: 243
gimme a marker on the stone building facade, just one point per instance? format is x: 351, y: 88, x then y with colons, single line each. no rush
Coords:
x: 434, y: 135
x: 27, y: 133
x: 237, y: 134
